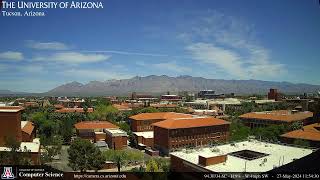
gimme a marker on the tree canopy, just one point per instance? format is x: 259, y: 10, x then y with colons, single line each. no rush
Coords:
x: 83, y: 155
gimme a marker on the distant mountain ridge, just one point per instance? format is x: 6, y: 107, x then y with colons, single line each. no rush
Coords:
x: 8, y: 92
x: 160, y: 84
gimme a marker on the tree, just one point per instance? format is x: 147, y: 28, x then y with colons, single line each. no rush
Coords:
x: 296, y: 125
x: 103, y: 112
x: 66, y: 129
x: 16, y: 103
x: 271, y: 133
x: 301, y: 142
x: 52, y: 147
x: 164, y: 164
x: 152, y: 166
x: 238, y: 131
x: 16, y: 155
x: 123, y: 157
x: 83, y: 156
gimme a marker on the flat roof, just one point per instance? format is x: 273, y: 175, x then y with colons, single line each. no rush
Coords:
x: 95, y: 125
x: 190, y: 122
x: 227, y: 101
x: 10, y: 108
x: 23, y: 123
x: 116, y: 132
x: 276, y: 153
x: 30, y: 146
x: 159, y: 115
x: 146, y: 134
x: 279, y: 115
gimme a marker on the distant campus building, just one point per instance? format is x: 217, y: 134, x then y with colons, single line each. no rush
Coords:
x: 274, y: 94
x: 21, y: 131
x: 266, y: 118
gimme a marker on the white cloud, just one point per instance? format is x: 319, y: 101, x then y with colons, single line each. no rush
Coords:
x: 130, y: 53
x: 172, y: 66
x: 222, y: 58
x: 230, y: 44
x: 73, y: 57
x: 11, y: 55
x: 47, y: 45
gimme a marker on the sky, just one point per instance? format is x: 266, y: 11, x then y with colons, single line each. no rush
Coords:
x: 218, y: 39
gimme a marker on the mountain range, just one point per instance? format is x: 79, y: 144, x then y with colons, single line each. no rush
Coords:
x: 161, y: 84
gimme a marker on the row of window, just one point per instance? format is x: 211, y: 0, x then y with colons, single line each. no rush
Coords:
x: 196, y: 137
x: 179, y: 132
x: 144, y: 128
x: 190, y: 144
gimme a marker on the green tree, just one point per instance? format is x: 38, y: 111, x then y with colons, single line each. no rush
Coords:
x: 16, y: 103
x: 52, y: 147
x: 152, y: 166
x: 164, y: 164
x: 123, y: 157
x: 16, y: 155
x: 238, y: 131
x: 270, y: 133
x: 296, y: 125
x: 104, y: 112
x: 83, y: 156
x: 301, y: 142
x: 67, y: 129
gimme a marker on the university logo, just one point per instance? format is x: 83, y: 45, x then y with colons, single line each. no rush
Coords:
x: 7, y: 173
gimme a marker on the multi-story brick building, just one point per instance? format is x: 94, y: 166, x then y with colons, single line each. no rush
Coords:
x: 141, y: 125
x: 116, y: 138
x: 173, y: 134
x: 142, y: 122
x: 96, y: 131
x: 274, y: 94
x: 22, y: 132
x: 266, y: 118
x: 310, y: 133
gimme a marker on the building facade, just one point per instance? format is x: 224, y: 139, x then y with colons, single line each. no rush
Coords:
x: 23, y: 132
x: 96, y: 131
x: 174, y: 134
x: 266, y: 118
x: 309, y: 133
x: 245, y: 156
x: 142, y: 122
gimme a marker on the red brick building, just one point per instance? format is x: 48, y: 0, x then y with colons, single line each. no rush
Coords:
x: 310, y: 133
x: 28, y: 131
x: 266, y: 118
x: 10, y: 118
x: 22, y: 131
x: 74, y: 110
x: 143, y: 121
x: 116, y: 138
x: 274, y: 94
x: 141, y: 126
x: 175, y: 134
x: 102, y: 131
x: 143, y: 139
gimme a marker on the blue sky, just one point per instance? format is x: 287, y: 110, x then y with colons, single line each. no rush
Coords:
x: 244, y: 39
